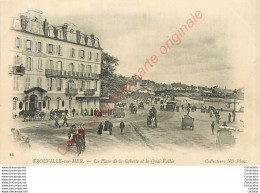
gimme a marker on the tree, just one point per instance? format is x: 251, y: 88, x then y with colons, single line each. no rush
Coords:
x: 108, y: 76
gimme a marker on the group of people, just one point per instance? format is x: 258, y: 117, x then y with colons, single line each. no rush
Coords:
x: 19, y: 138
x: 108, y: 126
x: 217, y: 115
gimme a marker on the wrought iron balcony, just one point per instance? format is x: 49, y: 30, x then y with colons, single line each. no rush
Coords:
x: 94, y: 76
x: 72, y: 91
x: 89, y: 92
x: 70, y: 74
x: 18, y: 70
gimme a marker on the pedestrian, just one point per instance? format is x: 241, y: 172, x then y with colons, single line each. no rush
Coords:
x: 91, y: 112
x: 188, y: 109
x: 110, y: 128
x: 229, y: 117
x: 106, y: 125
x: 56, y: 119
x: 73, y: 111
x: 51, y: 114
x: 122, y: 126
x: 65, y: 120
x: 100, y: 129
x: 212, y: 127
x: 72, y: 130
x: 217, y: 119
x: 66, y: 112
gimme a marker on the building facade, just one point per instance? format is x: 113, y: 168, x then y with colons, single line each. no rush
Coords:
x: 54, y: 67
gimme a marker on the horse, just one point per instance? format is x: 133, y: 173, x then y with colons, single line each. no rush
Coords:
x: 80, y: 143
x: 151, y: 121
x: 79, y: 140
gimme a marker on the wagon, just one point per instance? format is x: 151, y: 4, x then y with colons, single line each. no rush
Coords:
x: 170, y: 105
x: 187, y: 121
x: 225, y: 137
x: 133, y: 108
x: 141, y: 105
x: 118, y: 112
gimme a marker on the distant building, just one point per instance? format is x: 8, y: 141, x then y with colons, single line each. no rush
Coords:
x: 225, y: 104
x: 54, y: 67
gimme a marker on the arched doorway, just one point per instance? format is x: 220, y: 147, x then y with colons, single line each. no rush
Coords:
x: 33, y: 102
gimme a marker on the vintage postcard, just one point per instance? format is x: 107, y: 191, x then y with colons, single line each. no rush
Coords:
x: 129, y: 82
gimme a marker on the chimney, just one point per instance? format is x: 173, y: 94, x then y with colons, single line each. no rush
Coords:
x: 45, y: 27
x: 78, y: 36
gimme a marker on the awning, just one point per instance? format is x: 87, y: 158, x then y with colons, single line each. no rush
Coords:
x: 33, y: 89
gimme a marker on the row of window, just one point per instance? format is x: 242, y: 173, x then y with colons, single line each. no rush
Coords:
x: 50, y: 64
x: 43, y: 104
x: 54, y: 49
x: 56, y: 84
x: 81, y: 84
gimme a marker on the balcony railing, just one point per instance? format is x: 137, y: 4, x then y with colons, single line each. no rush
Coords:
x: 19, y: 70
x: 89, y: 92
x: 70, y: 74
x: 72, y: 91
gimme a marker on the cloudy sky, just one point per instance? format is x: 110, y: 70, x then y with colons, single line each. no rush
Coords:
x: 210, y: 53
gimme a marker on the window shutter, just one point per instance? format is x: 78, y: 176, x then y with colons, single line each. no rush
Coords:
x: 35, y: 46
x: 25, y: 42
x: 60, y: 50
x: 16, y: 42
x: 54, y: 49
x: 53, y: 83
x: 27, y: 64
x: 20, y: 60
x: 47, y: 48
x: 47, y: 64
x: 48, y: 84
x: 14, y: 60
x: 21, y: 43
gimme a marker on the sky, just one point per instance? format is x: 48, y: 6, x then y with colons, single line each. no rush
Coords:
x: 210, y: 53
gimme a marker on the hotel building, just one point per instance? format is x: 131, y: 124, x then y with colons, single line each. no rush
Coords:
x: 54, y: 67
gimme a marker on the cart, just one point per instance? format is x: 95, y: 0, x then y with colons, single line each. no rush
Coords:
x: 187, y: 121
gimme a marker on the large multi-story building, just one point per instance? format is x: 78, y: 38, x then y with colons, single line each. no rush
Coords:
x: 54, y: 67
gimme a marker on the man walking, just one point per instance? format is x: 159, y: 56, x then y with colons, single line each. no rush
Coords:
x: 51, y: 114
x: 66, y: 112
x: 110, y: 128
x: 56, y: 119
x: 212, y: 127
x: 100, y: 129
x: 122, y: 126
x: 229, y: 117
x: 73, y: 111
x: 65, y: 120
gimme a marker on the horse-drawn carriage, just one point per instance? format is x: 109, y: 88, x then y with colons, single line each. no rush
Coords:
x: 141, y: 105
x: 187, y: 121
x: 133, y: 108
x: 151, y: 119
x: 76, y: 137
x: 32, y: 114
x: 170, y: 106
x: 225, y: 137
x: 119, y: 112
